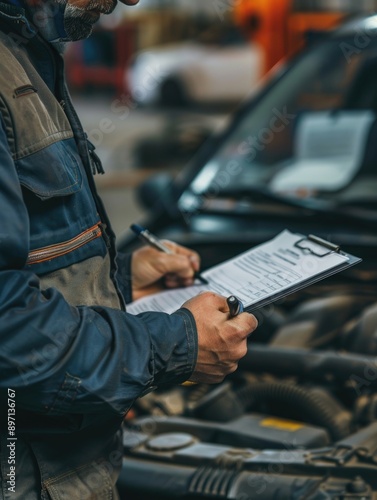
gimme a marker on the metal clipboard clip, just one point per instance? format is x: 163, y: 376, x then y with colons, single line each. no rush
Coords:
x: 316, y: 246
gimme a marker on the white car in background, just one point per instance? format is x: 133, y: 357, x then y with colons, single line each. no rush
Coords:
x: 216, y: 70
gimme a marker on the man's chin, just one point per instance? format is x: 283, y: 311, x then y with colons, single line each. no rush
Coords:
x: 78, y: 23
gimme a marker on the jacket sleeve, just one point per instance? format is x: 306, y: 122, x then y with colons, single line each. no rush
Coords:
x: 62, y: 359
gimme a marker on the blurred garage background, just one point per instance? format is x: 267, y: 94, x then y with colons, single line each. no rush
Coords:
x: 155, y: 80
x: 257, y: 140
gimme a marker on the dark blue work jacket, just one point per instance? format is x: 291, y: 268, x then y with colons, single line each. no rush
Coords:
x: 73, y: 361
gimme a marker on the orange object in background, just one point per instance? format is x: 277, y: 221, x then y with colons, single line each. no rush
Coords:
x: 265, y: 22
x: 299, y: 24
x: 280, y: 28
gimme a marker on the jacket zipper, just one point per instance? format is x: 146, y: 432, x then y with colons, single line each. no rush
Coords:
x: 59, y: 249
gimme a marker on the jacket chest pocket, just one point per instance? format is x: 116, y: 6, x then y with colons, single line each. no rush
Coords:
x: 51, y: 171
x: 63, y: 220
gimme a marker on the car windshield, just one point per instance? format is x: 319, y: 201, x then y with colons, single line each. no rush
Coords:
x: 312, y: 137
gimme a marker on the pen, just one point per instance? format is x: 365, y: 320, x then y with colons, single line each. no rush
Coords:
x: 235, y: 306
x: 154, y: 242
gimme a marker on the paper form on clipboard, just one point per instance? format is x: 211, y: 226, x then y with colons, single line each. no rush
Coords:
x: 261, y: 275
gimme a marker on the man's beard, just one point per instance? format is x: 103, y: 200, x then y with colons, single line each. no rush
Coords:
x: 78, y: 22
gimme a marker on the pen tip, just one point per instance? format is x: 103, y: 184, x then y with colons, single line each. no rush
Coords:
x: 136, y: 228
x: 200, y: 278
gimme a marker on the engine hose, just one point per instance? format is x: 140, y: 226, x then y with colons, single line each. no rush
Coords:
x: 313, y: 405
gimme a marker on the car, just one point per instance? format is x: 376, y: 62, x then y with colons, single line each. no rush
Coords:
x: 298, y: 419
x: 219, y: 67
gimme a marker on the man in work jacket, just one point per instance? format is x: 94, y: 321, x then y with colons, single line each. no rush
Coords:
x: 72, y: 360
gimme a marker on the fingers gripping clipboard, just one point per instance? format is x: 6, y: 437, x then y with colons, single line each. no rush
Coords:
x: 262, y: 275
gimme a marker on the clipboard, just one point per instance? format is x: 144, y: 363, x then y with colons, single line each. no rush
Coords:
x: 319, y: 248
x: 261, y: 275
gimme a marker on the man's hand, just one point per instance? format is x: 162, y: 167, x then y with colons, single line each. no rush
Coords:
x: 152, y: 270
x: 222, y: 340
